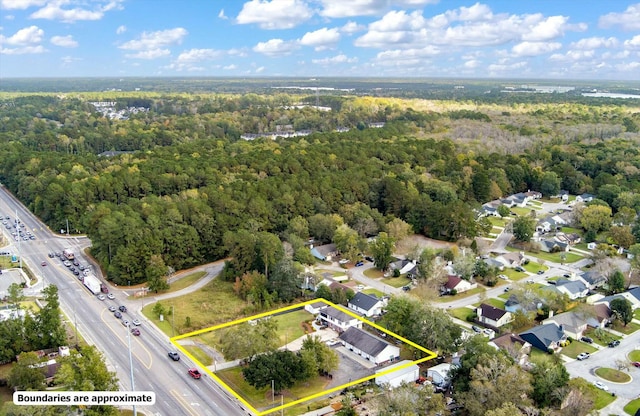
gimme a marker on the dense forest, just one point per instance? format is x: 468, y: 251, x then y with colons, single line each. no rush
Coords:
x: 183, y: 177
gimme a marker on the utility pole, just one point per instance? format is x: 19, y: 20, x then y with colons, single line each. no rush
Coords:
x: 67, y: 226
x: 173, y: 331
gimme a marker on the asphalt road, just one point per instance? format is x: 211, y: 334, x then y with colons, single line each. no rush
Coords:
x: 176, y: 392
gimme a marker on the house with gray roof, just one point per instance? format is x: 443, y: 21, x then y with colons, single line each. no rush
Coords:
x: 367, y: 305
x: 325, y: 252
x: 369, y: 346
x: 593, y: 279
x: 544, y: 336
x: 338, y: 320
x: 572, y: 323
x: 552, y: 246
x: 575, y: 289
x: 632, y: 296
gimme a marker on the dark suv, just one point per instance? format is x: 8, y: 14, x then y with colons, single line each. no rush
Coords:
x: 122, y: 308
x: 614, y: 343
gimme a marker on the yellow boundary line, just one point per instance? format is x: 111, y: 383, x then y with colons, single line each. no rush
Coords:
x: 430, y: 354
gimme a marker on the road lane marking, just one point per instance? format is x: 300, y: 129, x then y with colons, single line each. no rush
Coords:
x: 183, y: 403
x: 149, y: 360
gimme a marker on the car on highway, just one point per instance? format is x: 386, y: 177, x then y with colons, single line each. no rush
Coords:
x: 67, y: 263
x: 601, y: 385
x: 101, y: 297
x: 587, y: 340
x: 193, y: 372
x: 51, y: 255
x: 136, y: 322
x: 614, y: 343
x: 112, y: 308
x: 583, y: 356
x: 44, y: 263
x: 122, y: 308
x: 174, y: 356
x: 117, y: 314
x: 135, y: 331
x: 125, y: 322
x: 111, y: 296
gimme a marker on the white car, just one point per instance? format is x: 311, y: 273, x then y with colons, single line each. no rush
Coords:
x: 101, y: 297
x: 136, y: 322
x: 111, y: 296
x: 360, y: 287
x: 503, y: 277
x: 601, y: 385
x: 583, y: 356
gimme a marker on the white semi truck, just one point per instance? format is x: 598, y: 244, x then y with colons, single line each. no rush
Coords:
x: 92, y: 283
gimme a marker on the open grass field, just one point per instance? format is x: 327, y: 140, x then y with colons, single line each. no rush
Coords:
x: 632, y: 407
x: 199, y: 354
x: 601, y: 398
x: 185, y: 281
x: 462, y: 313
x: 213, y: 304
x: 512, y: 274
x: 533, y: 267
x: 576, y: 347
x: 290, y: 325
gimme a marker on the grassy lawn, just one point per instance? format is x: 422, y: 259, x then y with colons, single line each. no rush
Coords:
x: 514, y: 275
x: 332, y: 272
x: 601, y: 398
x: 186, y: 281
x: 536, y: 353
x: 576, y: 347
x: 613, y: 375
x: 444, y: 299
x: 496, y: 303
x: 521, y: 211
x: 374, y: 292
x: 636, y: 314
x: 629, y: 329
x: 555, y: 257
x: 505, y: 296
x: 570, y: 230
x: 632, y: 407
x: 601, y: 337
x: 396, y: 281
x: 199, y: 354
x: 213, y: 304
x: 461, y: 313
x: 262, y: 398
x: 634, y: 355
x: 373, y: 273
x: 533, y: 267
x: 496, y: 221
x: 496, y: 230
x: 290, y: 325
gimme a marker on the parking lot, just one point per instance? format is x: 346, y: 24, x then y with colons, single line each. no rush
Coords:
x: 349, y: 368
x: 7, y: 278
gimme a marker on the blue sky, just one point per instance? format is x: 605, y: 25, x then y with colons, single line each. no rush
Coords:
x: 561, y: 39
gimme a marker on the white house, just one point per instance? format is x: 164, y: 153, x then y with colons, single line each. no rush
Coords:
x: 458, y: 284
x: 368, y: 346
x: 367, y: 305
x: 495, y: 317
x: 439, y: 374
x: 315, y: 307
x: 409, y: 374
x: 338, y: 320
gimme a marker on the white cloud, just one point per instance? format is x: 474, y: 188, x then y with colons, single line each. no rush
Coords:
x: 25, y: 36
x: 595, y: 43
x: 121, y: 29
x: 627, y: 20
x: 351, y: 8
x: 321, y: 39
x: 259, y: 70
x: 573, y: 56
x: 633, y: 67
x: 67, y: 60
x: 156, y: 40
x: 550, y: 28
x: 274, y: 14
x: 338, y: 59
x: 64, y: 41
x: 634, y: 42
x: 221, y: 15
x: 352, y: 27
x: 53, y: 10
x: 535, y: 48
x: 150, y: 54
x: 229, y: 67
x: 23, y: 50
x: 502, y: 67
x: 275, y: 47
x: 472, y: 64
x: 197, y: 55
x: 9, y: 17
x: 20, y: 4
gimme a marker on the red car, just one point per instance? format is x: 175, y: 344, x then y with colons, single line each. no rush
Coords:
x: 135, y: 331
x: 193, y: 372
x: 636, y: 364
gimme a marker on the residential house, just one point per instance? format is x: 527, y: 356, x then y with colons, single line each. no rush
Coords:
x: 585, y: 197
x: 592, y: 245
x: 593, y: 279
x: 369, y: 346
x: 325, y: 252
x: 572, y: 323
x: 511, y: 259
x: 439, y: 374
x: 533, y: 195
x: 367, y: 305
x: 598, y: 316
x: 571, y: 238
x: 513, y: 305
x: 487, y: 210
x: 457, y: 284
x: 632, y: 296
x: 492, y: 316
x: 405, y: 266
x: 544, y: 336
x: 552, y: 246
x: 575, y: 289
x: 564, y: 195
x: 409, y: 374
x: 491, y: 262
x: 315, y: 307
x: 338, y: 320
x: 517, y: 347
x: 550, y: 223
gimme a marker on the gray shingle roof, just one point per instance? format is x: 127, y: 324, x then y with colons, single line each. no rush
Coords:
x: 364, y: 341
x: 336, y: 314
x: 364, y: 301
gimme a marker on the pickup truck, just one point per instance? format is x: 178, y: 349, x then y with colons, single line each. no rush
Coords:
x: 193, y: 372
